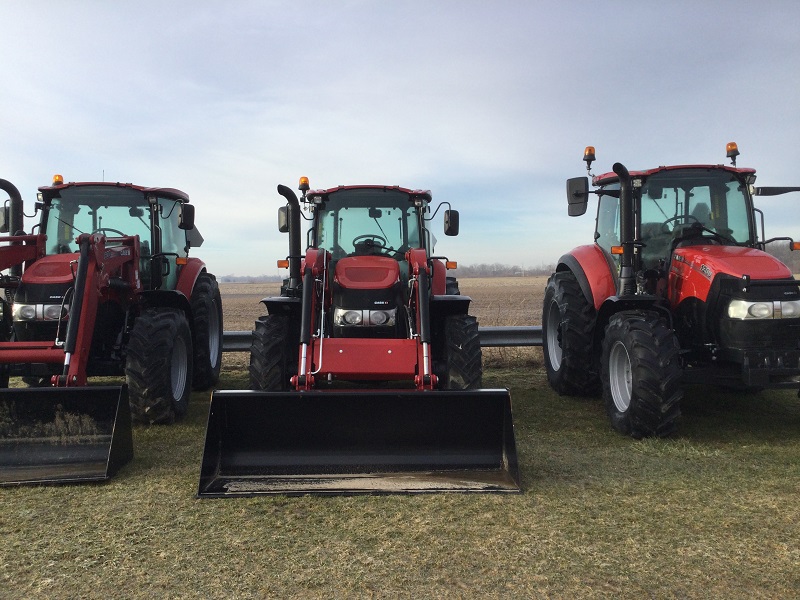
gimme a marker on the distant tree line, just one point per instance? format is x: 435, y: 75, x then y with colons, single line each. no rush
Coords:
x: 249, y: 278
x: 779, y: 250
x: 481, y: 270
x: 500, y: 270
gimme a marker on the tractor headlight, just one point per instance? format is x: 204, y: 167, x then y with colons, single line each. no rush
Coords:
x: 352, y: 317
x: 760, y: 310
x: 345, y: 317
x: 378, y: 317
x: 24, y: 312
x: 790, y: 309
x: 39, y: 312
x: 765, y: 309
x: 54, y: 312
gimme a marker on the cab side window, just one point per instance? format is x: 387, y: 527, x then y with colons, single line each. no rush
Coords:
x: 607, y: 233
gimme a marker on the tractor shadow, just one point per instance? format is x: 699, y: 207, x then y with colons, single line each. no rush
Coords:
x: 713, y: 414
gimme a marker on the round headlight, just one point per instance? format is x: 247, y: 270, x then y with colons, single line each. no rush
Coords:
x: 378, y: 317
x: 790, y: 309
x: 52, y: 312
x: 25, y: 312
x: 352, y: 317
x: 760, y: 310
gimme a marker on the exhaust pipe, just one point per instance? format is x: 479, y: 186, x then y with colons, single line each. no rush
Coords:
x: 16, y: 220
x: 627, y: 281
x: 294, y: 235
x: 16, y: 217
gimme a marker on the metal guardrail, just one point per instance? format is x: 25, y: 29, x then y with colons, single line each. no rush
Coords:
x: 239, y: 341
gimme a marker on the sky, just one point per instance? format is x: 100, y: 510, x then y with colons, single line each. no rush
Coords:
x: 487, y: 104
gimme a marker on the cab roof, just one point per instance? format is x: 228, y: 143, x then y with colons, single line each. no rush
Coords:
x: 425, y: 194
x: 170, y: 193
x: 612, y: 177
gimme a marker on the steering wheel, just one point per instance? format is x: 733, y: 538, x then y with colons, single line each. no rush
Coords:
x: 696, y: 230
x: 104, y: 229
x: 677, y: 218
x: 373, y: 237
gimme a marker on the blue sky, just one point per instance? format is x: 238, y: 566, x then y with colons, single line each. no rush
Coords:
x: 487, y: 104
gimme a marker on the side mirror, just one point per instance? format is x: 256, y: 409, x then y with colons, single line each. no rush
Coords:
x: 451, y: 222
x: 4, y: 219
x: 283, y: 219
x: 775, y: 191
x: 187, y: 217
x: 577, y: 196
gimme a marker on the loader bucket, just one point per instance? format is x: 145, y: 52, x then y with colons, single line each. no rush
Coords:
x: 358, y: 442
x: 63, y: 435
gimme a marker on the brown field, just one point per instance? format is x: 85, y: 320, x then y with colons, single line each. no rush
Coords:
x: 496, y: 302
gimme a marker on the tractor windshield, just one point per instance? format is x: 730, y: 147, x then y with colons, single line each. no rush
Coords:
x: 712, y: 198
x: 367, y: 221
x: 114, y: 212
x: 681, y: 205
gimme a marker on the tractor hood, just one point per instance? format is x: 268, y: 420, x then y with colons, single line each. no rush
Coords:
x: 711, y: 260
x: 47, y: 280
x: 367, y: 272
x: 52, y: 269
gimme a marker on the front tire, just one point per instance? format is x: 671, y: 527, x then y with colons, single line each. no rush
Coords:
x: 641, y: 375
x: 159, y: 366
x: 461, y: 367
x: 207, y: 315
x: 568, y: 321
x: 273, y: 354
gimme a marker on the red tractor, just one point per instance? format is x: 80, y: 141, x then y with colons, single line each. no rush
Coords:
x: 676, y: 289
x: 105, y: 287
x: 366, y: 367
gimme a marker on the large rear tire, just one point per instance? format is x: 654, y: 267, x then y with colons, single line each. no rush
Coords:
x: 461, y: 367
x: 273, y: 354
x: 207, y: 315
x: 159, y: 366
x: 568, y: 321
x: 641, y: 375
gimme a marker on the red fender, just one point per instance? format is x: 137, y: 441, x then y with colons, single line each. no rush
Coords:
x: 438, y: 281
x: 188, y: 274
x: 594, y: 274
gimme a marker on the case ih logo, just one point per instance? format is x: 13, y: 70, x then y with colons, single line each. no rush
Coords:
x: 111, y: 252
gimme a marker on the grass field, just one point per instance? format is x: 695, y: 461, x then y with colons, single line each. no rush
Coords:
x: 711, y: 513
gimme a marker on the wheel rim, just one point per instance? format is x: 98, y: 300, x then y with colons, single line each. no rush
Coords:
x: 620, y: 376
x: 213, y: 335
x: 554, y: 351
x: 179, y: 368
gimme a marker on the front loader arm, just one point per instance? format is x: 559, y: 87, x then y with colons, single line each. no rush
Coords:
x: 100, y: 271
x: 420, y: 298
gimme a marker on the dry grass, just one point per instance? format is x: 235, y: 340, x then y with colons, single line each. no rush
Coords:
x: 711, y: 513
